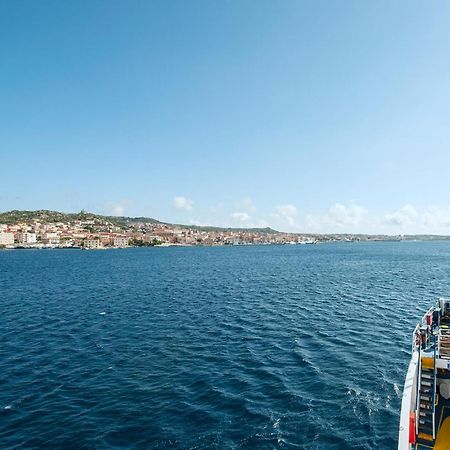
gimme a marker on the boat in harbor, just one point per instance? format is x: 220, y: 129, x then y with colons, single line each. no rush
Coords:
x: 425, y: 413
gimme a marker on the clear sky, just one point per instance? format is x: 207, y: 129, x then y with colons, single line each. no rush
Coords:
x: 323, y: 116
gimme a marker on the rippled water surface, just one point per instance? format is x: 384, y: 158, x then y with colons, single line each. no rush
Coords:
x: 238, y: 347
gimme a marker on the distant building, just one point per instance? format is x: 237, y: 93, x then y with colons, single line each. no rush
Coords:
x: 51, y: 238
x: 92, y: 243
x: 78, y: 235
x: 120, y: 241
x: 105, y: 239
x: 65, y: 241
x: 6, y: 238
x: 26, y: 238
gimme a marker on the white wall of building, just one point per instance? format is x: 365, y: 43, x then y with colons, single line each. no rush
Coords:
x: 6, y: 238
x: 26, y: 238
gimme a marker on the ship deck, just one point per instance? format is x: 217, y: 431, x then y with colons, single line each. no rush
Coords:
x: 443, y: 406
x: 428, y: 383
x: 442, y: 412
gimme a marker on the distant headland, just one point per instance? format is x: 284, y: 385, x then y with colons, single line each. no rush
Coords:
x: 54, y: 229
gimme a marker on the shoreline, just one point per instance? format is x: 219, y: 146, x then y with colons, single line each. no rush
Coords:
x: 167, y: 245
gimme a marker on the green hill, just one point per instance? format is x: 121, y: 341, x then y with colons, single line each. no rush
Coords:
x: 43, y: 215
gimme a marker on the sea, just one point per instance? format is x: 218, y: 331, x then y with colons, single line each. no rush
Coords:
x: 240, y: 347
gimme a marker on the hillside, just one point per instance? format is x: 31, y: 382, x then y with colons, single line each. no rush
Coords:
x: 15, y: 216
x: 11, y: 217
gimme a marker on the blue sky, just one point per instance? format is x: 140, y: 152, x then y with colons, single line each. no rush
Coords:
x: 322, y: 116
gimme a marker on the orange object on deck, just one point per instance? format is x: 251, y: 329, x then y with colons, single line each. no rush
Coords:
x: 427, y: 363
x: 443, y: 437
x: 412, y: 428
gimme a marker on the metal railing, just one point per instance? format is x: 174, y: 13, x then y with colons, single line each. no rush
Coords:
x: 419, y: 378
x: 434, y: 387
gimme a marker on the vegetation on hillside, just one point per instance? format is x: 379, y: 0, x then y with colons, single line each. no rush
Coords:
x: 16, y: 216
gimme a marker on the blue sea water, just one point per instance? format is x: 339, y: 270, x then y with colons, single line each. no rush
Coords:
x: 228, y: 347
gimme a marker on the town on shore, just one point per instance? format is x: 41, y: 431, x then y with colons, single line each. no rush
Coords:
x: 51, y: 229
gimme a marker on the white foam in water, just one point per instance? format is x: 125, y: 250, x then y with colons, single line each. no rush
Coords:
x: 103, y: 313
x: 8, y: 406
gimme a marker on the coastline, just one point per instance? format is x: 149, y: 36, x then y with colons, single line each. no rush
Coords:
x: 169, y: 245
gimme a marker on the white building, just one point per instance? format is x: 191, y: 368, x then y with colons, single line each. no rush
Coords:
x: 6, y: 238
x: 120, y: 241
x: 51, y: 238
x: 26, y: 238
x: 92, y: 243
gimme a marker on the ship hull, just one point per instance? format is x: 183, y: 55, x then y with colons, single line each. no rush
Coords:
x: 408, y: 403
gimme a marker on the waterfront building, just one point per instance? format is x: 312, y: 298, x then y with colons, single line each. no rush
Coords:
x: 92, y: 242
x: 50, y: 238
x: 26, y: 238
x: 6, y: 238
x: 120, y: 241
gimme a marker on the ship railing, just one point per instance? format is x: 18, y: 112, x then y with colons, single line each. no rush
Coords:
x: 415, y: 338
x: 420, y: 341
x: 419, y: 375
x: 434, y: 389
x: 444, y: 343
